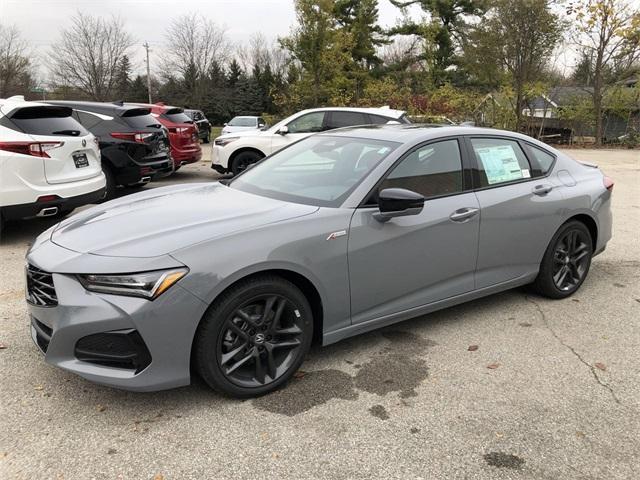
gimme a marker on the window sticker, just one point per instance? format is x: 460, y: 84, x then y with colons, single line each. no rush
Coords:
x: 525, y: 173
x: 500, y: 164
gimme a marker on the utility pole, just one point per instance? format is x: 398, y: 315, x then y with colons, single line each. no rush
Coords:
x: 146, y: 47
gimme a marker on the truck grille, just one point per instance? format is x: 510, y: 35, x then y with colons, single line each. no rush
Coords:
x: 40, y: 289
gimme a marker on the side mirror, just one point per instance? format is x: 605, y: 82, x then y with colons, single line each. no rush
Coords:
x: 398, y: 202
x: 224, y: 124
x: 283, y: 130
x: 261, y: 125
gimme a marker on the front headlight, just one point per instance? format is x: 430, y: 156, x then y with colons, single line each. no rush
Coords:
x: 221, y: 142
x: 149, y: 285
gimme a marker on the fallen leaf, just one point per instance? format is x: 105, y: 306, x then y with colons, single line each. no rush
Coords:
x: 580, y: 434
x: 472, y: 348
x: 575, y: 300
x: 524, y: 324
x: 493, y: 366
x: 600, y: 366
x: 158, y: 476
x: 299, y: 374
x: 111, y: 451
x: 2, y: 346
x: 38, y: 387
x: 101, y: 408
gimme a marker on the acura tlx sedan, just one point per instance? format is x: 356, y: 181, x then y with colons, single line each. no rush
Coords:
x: 338, y: 234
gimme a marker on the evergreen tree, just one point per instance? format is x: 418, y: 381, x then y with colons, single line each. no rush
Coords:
x: 123, y: 78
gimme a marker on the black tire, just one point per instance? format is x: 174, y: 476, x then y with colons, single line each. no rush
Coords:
x: 566, y: 261
x: 234, y: 323
x: 110, y: 190
x: 244, y: 159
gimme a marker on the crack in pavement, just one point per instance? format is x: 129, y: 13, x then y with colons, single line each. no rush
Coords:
x: 573, y: 350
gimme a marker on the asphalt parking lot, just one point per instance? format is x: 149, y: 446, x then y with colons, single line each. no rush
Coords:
x: 510, y: 386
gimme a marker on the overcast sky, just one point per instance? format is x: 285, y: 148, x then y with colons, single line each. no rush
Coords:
x: 40, y: 20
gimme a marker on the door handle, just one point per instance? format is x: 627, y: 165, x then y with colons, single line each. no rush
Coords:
x: 463, y: 214
x: 542, y: 189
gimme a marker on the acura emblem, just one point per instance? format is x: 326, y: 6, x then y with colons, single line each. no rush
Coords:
x: 84, y: 142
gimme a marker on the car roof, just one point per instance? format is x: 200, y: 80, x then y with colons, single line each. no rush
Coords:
x: 406, y: 133
x: 384, y: 111
x: 96, y: 107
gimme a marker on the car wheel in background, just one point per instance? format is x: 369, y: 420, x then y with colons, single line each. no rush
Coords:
x: 254, y: 337
x: 566, y: 262
x: 110, y: 189
x: 242, y: 160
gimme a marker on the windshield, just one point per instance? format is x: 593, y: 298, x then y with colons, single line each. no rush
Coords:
x: 243, y: 122
x: 320, y: 170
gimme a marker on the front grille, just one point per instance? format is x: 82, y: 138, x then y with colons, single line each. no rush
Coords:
x: 43, y: 334
x: 40, y: 289
x: 120, y: 349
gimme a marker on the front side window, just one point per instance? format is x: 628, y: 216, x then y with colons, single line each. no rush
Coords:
x: 311, y: 122
x: 432, y: 170
x: 499, y: 161
x: 319, y: 170
x: 346, y: 119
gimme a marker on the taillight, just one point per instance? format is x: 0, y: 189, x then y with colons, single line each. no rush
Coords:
x: 178, y: 129
x: 139, y: 137
x: 608, y: 183
x: 34, y: 149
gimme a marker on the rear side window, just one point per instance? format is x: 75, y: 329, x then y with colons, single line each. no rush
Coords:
x: 177, y: 115
x: 432, y: 170
x: 378, y: 120
x: 47, y: 121
x: 500, y: 161
x: 141, y: 121
x: 346, y: 119
x: 88, y: 120
x: 541, y: 161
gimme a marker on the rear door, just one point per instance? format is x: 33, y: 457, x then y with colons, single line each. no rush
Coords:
x: 71, y: 151
x: 518, y: 202
x: 338, y: 119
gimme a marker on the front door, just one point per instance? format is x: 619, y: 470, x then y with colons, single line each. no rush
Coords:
x: 412, y: 261
x: 297, y: 129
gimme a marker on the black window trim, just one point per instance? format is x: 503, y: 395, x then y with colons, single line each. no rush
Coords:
x: 475, y: 165
x: 467, y: 185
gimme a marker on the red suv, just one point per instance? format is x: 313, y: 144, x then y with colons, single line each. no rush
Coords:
x: 183, y: 133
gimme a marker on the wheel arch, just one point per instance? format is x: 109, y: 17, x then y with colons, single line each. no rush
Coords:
x: 588, y: 222
x: 240, y: 150
x: 306, y: 286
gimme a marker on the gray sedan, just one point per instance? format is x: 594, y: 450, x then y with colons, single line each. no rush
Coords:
x: 338, y: 234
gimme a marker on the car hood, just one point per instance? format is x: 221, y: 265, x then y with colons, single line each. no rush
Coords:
x: 166, y: 219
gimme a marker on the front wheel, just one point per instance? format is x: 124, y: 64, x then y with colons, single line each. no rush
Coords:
x: 242, y: 160
x: 566, y: 262
x: 254, y: 337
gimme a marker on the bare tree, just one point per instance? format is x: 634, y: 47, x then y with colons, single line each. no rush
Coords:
x: 88, y: 54
x: 194, y: 45
x: 607, y: 32
x: 262, y: 53
x: 14, y: 62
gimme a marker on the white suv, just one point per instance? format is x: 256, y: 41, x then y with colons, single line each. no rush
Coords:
x: 235, y: 151
x: 49, y: 164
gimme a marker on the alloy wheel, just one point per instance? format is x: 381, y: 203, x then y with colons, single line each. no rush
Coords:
x: 260, y: 341
x: 570, y: 260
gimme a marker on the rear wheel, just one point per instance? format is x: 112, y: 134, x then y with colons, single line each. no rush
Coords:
x: 566, y: 262
x: 110, y: 189
x: 254, y: 337
x: 242, y: 160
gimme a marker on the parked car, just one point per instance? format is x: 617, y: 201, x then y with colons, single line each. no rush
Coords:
x: 183, y: 133
x: 243, y: 124
x: 235, y: 151
x: 204, y: 126
x: 49, y: 164
x: 134, y: 146
x: 338, y: 234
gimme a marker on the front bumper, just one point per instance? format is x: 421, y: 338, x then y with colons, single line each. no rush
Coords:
x: 74, y: 333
